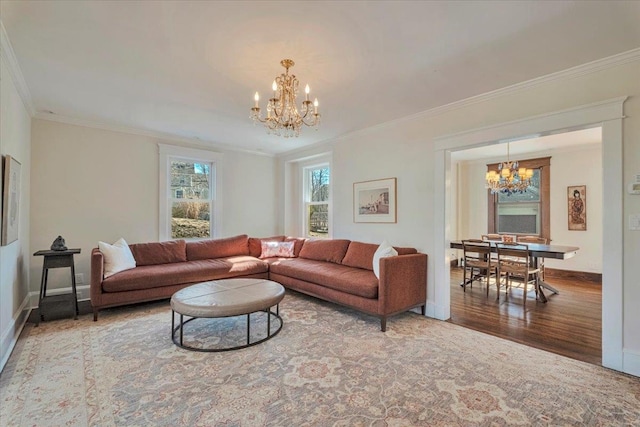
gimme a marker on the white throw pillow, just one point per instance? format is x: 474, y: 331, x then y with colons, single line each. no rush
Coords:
x: 383, y: 251
x: 117, y: 257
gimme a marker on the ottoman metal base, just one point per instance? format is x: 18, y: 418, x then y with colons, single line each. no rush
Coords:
x: 177, y: 332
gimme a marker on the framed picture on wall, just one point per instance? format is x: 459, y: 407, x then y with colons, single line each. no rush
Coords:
x: 577, y: 207
x: 375, y: 201
x: 10, y: 200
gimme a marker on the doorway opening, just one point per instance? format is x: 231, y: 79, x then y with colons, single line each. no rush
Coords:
x: 609, y: 115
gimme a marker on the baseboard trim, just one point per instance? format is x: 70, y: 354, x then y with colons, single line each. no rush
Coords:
x: 573, y: 275
x: 10, y: 336
x: 81, y: 291
x: 631, y: 362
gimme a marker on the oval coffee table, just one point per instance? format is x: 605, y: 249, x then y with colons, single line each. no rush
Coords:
x: 226, y: 298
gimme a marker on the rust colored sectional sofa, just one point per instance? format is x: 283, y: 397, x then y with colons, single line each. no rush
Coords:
x: 337, y: 270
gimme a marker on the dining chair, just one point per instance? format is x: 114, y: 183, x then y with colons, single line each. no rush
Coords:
x: 539, y: 240
x: 477, y: 256
x: 514, y: 261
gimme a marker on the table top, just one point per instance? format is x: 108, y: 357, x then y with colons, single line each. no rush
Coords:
x: 227, y: 297
x: 536, y: 250
x: 49, y: 252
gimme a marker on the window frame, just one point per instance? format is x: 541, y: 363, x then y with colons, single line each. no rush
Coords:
x: 306, y: 198
x: 544, y: 165
x: 169, y: 153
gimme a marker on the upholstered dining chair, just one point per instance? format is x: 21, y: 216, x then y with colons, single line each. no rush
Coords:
x: 477, y: 262
x: 514, y: 262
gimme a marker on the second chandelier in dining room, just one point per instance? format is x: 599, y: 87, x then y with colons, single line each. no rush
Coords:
x: 283, y: 117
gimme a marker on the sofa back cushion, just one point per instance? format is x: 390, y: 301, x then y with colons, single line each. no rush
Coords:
x: 159, y: 252
x: 325, y: 250
x: 360, y: 254
x: 405, y: 251
x: 218, y: 248
x: 255, y: 244
x: 298, y: 242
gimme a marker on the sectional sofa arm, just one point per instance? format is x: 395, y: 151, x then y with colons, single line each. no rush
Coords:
x: 403, y: 282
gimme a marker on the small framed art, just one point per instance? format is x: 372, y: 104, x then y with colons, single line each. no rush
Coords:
x: 577, y: 207
x: 10, y: 200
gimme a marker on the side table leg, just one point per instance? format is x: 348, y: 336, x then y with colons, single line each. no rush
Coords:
x: 43, y: 290
x: 73, y: 288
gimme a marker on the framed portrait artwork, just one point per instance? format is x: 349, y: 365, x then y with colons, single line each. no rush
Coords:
x: 577, y: 207
x: 10, y: 200
x: 375, y: 201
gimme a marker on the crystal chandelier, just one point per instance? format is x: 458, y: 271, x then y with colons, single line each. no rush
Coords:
x: 283, y: 117
x: 509, y: 178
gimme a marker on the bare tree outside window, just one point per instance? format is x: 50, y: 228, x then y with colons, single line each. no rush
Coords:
x: 317, y: 205
x: 191, y: 206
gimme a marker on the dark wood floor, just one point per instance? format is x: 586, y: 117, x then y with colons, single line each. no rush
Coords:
x: 569, y: 324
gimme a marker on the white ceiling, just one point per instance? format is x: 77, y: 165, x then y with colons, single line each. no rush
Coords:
x: 190, y: 69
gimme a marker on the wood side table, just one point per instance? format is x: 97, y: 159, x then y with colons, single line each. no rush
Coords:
x: 57, y: 259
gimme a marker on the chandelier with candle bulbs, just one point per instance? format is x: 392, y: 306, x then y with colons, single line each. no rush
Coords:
x: 509, y: 178
x: 283, y: 117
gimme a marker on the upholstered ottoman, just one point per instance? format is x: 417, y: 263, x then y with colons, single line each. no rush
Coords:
x: 226, y: 298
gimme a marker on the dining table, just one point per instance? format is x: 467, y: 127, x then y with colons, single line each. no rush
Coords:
x: 537, y: 251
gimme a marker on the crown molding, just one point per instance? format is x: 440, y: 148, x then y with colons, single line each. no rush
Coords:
x: 197, y: 142
x: 9, y: 57
x: 573, y: 72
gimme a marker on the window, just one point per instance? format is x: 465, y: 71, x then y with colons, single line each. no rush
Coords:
x: 317, y: 201
x: 523, y: 213
x: 519, y: 213
x: 187, y: 193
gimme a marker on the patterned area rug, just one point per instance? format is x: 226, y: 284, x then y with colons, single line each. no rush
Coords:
x: 329, y: 366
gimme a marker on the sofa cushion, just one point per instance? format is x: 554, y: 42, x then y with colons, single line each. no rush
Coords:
x: 153, y: 276
x: 298, y: 243
x: 255, y: 244
x: 277, y: 250
x: 360, y: 255
x: 354, y: 281
x: 117, y: 257
x: 325, y: 250
x: 159, y: 252
x: 384, y: 250
x: 218, y: 248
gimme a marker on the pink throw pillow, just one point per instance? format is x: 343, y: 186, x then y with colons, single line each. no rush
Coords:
x: 277, y: 250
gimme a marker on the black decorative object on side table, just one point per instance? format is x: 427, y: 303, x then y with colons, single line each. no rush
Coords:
x: 57, y: 258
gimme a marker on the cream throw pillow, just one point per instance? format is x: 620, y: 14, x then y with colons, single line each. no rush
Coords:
x: 117, y: 257
x: 383, y: 251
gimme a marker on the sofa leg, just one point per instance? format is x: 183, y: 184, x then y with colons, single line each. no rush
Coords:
x: 95, y: 314
x: 423, y: 309
x: 383, y: 324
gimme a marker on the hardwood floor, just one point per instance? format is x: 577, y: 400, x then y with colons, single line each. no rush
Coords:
x: 569, y: 324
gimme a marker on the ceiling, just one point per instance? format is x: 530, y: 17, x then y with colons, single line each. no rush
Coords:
x: 190, y: 69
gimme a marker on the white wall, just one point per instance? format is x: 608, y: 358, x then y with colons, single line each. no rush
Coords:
x: 405, y: 149
x: 15, y: 140
x: 577, y: 166
x: 92, y: 184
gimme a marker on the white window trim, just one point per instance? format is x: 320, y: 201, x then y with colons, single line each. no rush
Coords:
x: 167, y: 152
x: 304, y: 179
